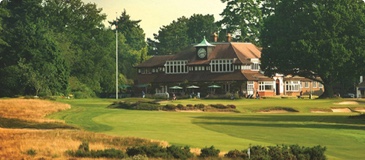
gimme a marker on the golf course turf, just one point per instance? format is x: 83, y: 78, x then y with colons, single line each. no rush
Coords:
x: 343, y: 137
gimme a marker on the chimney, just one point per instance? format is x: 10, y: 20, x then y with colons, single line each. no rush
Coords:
x: 361, y: 79
x: 215, y: 37
x: 229, y: 37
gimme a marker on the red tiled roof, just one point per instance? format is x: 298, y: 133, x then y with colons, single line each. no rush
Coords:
x: 155, y: 61
x: 203, y: 76
x: 241, y: 52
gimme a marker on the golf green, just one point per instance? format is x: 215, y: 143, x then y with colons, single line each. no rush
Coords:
x: 343, y: 137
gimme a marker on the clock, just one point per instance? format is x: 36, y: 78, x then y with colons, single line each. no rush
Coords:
x: 202, y: 53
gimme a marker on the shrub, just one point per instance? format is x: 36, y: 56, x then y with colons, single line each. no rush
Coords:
x: 31, y: 152
x: 107, y: 153
x: 153, y: 151
x: 84, y: 146
x: 316, y: 152
x: 190, y: 106
x: 219, y: 106
x: 83, y: 151
x: 293, y: 152
x: 181, y: 107
x: 133, y: 151
x: 147, y: 106
x: 235, y: 154
x: 179, y: 152
x: 209, y: 152
x: 199, y: 106
x: 231, y: 106
x: 169, y: 107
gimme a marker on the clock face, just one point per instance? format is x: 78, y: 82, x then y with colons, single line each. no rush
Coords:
x: 202, y: 53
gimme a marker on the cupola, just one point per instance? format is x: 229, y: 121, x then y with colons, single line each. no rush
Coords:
x: 203, y: 49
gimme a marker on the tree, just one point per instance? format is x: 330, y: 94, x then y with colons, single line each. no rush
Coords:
x: 200, y: 26
x: 242, y: 18
x: 171, y: 38
x: 133, y: 48
x: 315, y: 39
x: 181, y: 33
x: 32, y: 52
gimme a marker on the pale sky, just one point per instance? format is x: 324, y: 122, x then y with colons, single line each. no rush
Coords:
x: 156, y: 13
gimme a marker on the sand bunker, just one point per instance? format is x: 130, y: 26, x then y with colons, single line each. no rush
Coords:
x: 348, y: 103
x: 341, y: 110
x: 359, y: 109
x: 274, y: 111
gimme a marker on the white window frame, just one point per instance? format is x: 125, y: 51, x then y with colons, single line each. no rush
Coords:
x: 250, y: 86
x: 176, y: 67
x: 266, y: 85
x: 306, y: 84
x: 292, y: 86
x: 314, y: 84
x: 255, y: 66
x: 221, y: 65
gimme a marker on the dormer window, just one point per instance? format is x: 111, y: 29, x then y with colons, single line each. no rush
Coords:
x: 221, y: 65
x: 255, y: 66
x: 176, y: 67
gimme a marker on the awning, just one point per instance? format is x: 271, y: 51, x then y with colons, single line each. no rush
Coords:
x: 175, y: 87
x: 214, y: 86
x: 192, y: 86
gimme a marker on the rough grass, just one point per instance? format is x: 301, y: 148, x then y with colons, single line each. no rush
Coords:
x: 45, y: 142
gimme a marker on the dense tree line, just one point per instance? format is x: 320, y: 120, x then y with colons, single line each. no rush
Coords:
x: 318, y: 39
x: 56, y: 47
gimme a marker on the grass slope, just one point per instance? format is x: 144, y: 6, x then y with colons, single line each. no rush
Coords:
x: 344, y: 137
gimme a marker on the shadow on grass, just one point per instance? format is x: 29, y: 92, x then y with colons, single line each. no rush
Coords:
x: 17, y: 123
x: 287, y: 121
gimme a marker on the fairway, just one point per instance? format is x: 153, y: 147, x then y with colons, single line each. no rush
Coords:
x: 344, y: 137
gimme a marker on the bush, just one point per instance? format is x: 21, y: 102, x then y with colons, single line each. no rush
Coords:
x: 31, y: 152
x: 293, y: 152
x: 134, y: 151
x: 209, y: 152
x: 84, y: 151
x: 169, y: 107
x: 219, y: 106
x: 84, y: 146
x: 107, y: 153
x: 147, y: 106
x: 153, y: 151
x: 199, y: 106
x: 231, y: 106
x: 181, y: 107
x: 179, y: 152
x: 236, y: 154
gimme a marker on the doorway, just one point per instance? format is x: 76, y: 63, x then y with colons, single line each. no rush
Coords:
x: 277, y: 87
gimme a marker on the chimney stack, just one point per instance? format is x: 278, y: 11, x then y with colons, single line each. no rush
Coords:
x: 215, y: 37
x: 229, y: 37
x: 361, y: 79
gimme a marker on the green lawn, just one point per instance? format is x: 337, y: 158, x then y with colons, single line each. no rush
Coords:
x: 344, y: 137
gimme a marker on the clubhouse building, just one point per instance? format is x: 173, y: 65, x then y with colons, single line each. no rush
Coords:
x: 218, y: 68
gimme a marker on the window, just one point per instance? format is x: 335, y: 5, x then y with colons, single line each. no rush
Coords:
x: 145, y: 71
x: 292, y: 85
x: 255, y: 66
x: 314, y: 84
x: 306, y: 84
x: 320, y: 85
x: 176, y: 67
x: 266, y: 85
x: 221, y: 65
x: 249, y: 85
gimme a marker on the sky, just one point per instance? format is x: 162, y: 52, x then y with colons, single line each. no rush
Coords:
x: 157, y: 13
